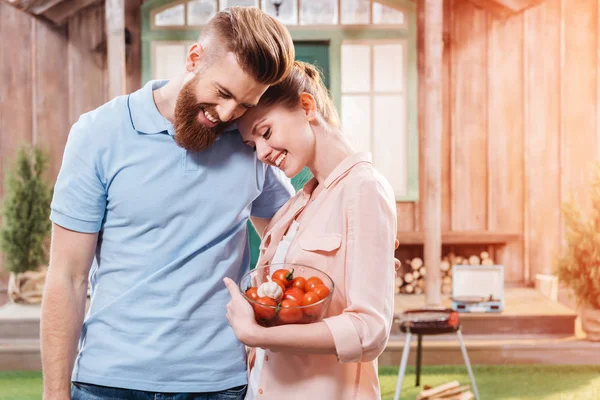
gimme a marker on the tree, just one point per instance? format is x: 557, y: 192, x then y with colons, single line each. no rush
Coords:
x: 26, y: 212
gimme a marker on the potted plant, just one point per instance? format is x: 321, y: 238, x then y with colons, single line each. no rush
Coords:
x: 26, y: 226
x: 578, y: 267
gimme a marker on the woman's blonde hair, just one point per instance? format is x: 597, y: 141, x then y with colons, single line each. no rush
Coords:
x: 303, y: 78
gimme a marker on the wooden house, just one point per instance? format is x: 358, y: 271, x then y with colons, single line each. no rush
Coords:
x: 483, y: 114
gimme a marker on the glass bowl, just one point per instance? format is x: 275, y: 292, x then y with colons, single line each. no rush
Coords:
x: 299, y: 305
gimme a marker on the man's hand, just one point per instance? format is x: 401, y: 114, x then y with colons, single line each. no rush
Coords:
x: 241, y: 316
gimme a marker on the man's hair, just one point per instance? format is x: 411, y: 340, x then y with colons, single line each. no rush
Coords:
x: 303, y: 78
x: 262, y: 45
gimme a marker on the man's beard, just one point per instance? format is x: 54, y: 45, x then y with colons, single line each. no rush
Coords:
x: 189, y: 133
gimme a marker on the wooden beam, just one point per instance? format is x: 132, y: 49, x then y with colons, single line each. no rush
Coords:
x: 115, y: 47
x: 462, y: 238
x: 505, y: 8
x: 65, y: 9
x: 432, y: 13
x: 44, y: 5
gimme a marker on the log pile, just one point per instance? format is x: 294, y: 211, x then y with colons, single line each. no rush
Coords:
x: 411, y: 276
x: 447, y: 391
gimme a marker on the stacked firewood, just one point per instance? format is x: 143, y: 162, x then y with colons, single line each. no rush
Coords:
x: 447, y: 391
x: 411, y: 276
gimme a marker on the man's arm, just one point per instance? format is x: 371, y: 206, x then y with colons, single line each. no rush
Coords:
x: 260, y: 224
x: 63, y: 307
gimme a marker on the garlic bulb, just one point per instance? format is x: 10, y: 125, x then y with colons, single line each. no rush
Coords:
x: 270, y: 289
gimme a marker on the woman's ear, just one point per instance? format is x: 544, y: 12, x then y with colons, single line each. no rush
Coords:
x: 309, y: 105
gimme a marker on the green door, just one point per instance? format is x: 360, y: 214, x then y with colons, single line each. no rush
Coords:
x: 316, y: 53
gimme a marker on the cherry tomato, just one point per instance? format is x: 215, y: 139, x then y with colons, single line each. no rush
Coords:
x: 294, y: 294
x: 308, y: 299
x: 289, y: 313
x: 252, y: 293
x: 322, y: 291
x: 311, y: 283
x: 285, y: 276
x: 306, y: 319
x: 281, y: 285
x: 263, y: 312
x: 299, y: 283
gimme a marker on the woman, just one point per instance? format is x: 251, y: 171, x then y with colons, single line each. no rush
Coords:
x: 342, y: 222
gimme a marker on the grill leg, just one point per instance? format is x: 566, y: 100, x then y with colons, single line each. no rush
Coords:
x: 403, y: 363
x: 419, y: 348
x: 467, y: 363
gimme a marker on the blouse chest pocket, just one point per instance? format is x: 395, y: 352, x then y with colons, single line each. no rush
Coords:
x: 323, y: 244
x: 317, y: 250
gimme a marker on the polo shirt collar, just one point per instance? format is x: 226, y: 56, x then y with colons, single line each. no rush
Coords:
x: 145, y: 117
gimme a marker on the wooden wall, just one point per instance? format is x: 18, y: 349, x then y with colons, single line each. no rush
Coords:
x: 520, y: 134
x: 52, y: 75
x: 521, y: 98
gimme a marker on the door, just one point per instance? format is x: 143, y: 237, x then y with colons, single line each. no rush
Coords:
x: 316, y: 53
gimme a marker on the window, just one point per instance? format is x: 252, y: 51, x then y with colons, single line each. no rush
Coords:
x: 291, y: 12
x: 374, y: 105
x: 372, y: 61
x: 168, y: 58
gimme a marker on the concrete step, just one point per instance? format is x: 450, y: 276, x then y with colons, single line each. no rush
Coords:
x: 495, y: 349
x: 19, y: 321
x: 20, y: 355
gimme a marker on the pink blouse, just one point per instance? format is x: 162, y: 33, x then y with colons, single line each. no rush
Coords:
x: 347, y: 230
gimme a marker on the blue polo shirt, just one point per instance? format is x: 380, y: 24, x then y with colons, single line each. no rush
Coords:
x: 172, y: 224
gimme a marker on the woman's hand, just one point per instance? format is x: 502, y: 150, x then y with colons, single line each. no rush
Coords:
x: 241, y: 316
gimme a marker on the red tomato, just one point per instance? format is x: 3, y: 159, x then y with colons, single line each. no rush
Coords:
x: 321, y: 290
x: 299, y: 283
x: 285, y: 276
x: 262, y: 311
x: 289, y: 313
x: 311, y: 283
x: 252, y: 293
x: 308, y: 299
x: 281, y: 285
x: 294, y: 294
x: 306, y: 319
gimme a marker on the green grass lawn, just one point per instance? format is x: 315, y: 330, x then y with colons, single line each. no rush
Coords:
x: 523, y: 382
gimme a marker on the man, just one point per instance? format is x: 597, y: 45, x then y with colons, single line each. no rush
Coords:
x: 154, y: 193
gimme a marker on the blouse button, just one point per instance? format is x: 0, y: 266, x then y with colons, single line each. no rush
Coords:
x: 266, y: 358
x: 260, y: 391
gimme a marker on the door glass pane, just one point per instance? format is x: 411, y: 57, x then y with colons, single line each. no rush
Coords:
x: 288, y: 11
x: 386, y: 15
x: 318, y: 12
x: 388, y: 67
x: 245, y: 3
x: 201, y: 11
x: 356, y: 120
x: 169, y: 60
x: 355, y: 11
x: 356, y: 68
x: 390, y: 140
x: 171, y: 16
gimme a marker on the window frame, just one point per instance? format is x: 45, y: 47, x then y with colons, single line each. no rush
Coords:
x: 335, y: 35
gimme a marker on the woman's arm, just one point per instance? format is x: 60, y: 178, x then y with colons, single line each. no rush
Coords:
x: 361, y: 332
x: 312, y: 338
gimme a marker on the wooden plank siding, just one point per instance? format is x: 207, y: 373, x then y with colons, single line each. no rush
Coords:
x: 50, y: 77
x: 521, y: 127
